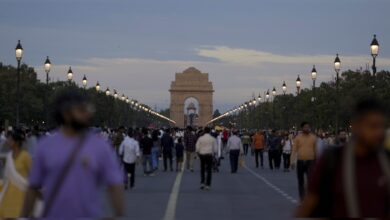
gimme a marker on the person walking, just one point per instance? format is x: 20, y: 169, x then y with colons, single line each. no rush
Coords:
x: 179, y: 148
x: 246, y: 141
x: 130, y: 152
x: 353, y: 181
x: 189, y: 143
x: 258, y: 143
x: 16, y: 170
x: 167, y: 145
x: 303, y: 155
x: 274, y: 148
x: 206, y: 147
x: 72, y: 165
x: 235, y: 147
x: 146, y: 145
x: 156, y: 149
x: 118, y: 138
x: 287, y: 147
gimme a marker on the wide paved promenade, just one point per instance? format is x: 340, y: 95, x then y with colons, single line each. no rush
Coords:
x: 250, y: 194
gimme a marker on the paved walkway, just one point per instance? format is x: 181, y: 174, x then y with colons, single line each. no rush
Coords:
x: 250, y: 194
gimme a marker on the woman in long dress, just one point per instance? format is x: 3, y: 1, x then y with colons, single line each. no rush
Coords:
x: 14, y: 184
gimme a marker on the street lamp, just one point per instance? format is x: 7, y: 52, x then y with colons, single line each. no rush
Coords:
x: 337, y: 67
x: 284, y: 88
x: 85, y: 82
x: 267, y: 95
x: 107, y: 91
x: 18, y: 54
x: 313, y: 99
x: 259, y: 98
x: 47, y: 67
x: 374, y: 53
x: 298, y: 83
x: 254, y: 101
x: 123, y: 98
x: 97, y: 87
x: 314, y: 77
x: 273, y: 105
x: 115, y: 94
x: 70, y: 74
x: 337, y: 64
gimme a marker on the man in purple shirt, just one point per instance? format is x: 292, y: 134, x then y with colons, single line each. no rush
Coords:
x: 73, y: 192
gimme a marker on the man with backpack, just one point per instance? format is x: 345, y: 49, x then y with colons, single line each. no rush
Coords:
x: 353, y: 181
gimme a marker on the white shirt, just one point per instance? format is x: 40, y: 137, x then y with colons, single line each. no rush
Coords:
x: 234, y: 143
x: 206, y: 144
x: 130, y: 150
x: 287, y: 147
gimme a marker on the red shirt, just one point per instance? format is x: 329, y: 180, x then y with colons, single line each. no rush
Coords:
x: 371, y: 187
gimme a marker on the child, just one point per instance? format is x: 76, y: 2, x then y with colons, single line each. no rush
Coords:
x: 179, y: 154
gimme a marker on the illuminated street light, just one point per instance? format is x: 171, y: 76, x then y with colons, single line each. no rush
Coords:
x: 337, y: 67
x: 97, y: 87
x: 70, y: 74
x: 284, y: 87
x: 18, y: 55
x: 298, y: 84
x: 85, y: 82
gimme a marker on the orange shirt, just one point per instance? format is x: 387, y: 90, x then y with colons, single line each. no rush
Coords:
x: 304, y: 147
x: 258, y: 141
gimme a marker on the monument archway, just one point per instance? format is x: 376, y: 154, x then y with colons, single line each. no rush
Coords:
x: 191, y: 84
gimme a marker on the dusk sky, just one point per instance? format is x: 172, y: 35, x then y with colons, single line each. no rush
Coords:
x: 246, y: 46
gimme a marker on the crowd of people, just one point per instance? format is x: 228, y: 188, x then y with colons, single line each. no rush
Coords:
x: 49, y: 173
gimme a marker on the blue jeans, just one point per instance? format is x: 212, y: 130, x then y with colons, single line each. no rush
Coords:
x: 147, y: 160
x: 155, y: 155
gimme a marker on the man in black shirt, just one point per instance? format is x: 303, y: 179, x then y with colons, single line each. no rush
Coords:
x: 146, y: 144
x: 167, y: 144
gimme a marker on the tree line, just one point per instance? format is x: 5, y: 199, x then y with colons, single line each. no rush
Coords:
x: 36, y: 100
x: 288, y: 111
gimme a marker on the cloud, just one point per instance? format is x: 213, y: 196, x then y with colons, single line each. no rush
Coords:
x: 247, y: 57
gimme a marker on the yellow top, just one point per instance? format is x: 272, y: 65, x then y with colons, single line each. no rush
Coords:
x: 13, y: 199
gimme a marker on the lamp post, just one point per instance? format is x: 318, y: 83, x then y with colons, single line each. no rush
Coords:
x: 273, y: 107
x: 284, y: 89
x: 337, y: 67
x: 85, y: 82
x: 115, y: 94
x: 108, y: 92
x: 97, y: 87
x: 254, y: 101
x: 18, y: 54
x: 259, y: 109
x: 298, y: 84
x: 70, y: 75
x: 313, y: 99
x: 47, y: 67
x: 266, y: 111
x: 374, y: 53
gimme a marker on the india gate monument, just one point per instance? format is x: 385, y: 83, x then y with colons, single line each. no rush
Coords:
x: 191, y: 98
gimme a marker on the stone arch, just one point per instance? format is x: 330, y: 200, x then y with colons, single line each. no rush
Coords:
x: 191, y: 83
